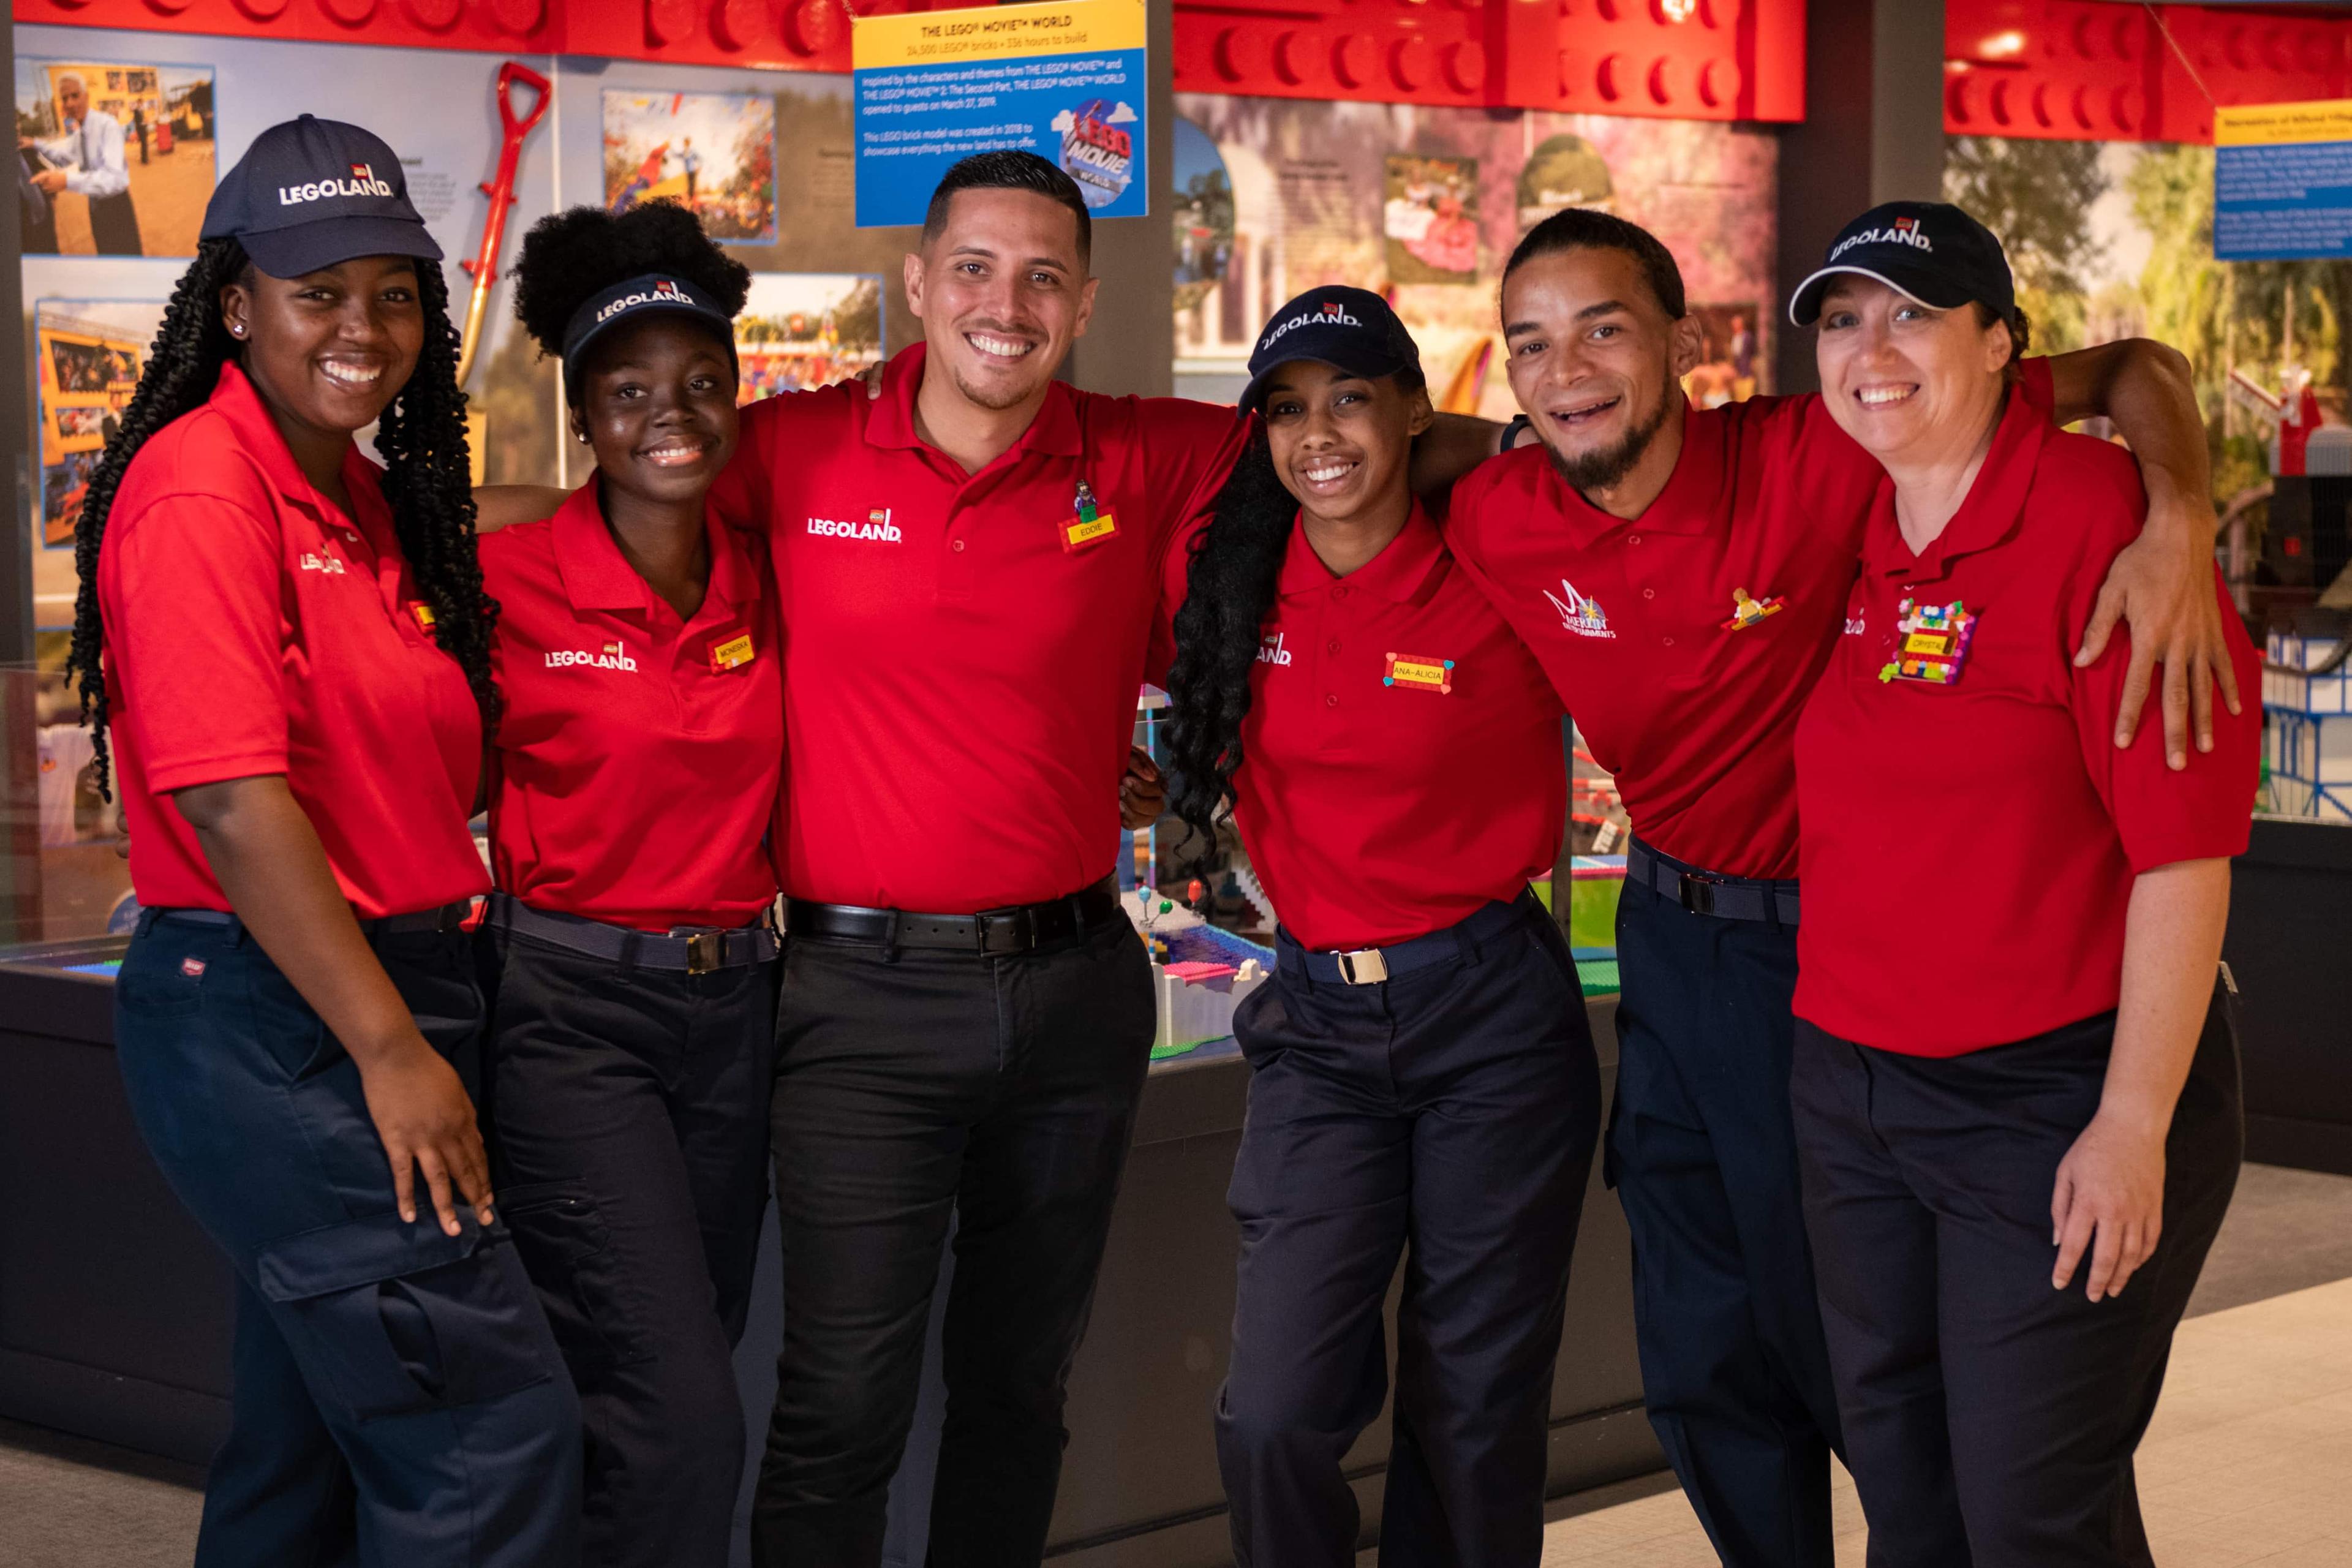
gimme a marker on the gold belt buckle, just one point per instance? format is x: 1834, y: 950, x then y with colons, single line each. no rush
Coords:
x: 706, y: 950
x: 1366, y: 966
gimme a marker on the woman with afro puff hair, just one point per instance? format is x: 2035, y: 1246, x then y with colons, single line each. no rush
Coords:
x: 293, y: 647
x: 633, y: 774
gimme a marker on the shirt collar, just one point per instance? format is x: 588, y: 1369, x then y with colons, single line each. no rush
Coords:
x: 1689, y: 502
x: 890, y: 418
x: 235, y: 399
x: 597, y: 576
x: 1398, y: 573
x: 1994, y: 506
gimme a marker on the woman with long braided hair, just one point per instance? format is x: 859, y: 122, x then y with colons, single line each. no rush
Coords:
x: 292, y: 648
x: 1423, y: 1082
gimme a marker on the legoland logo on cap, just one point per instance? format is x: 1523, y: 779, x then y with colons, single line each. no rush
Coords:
x: 362, y: 183
x: 1331, y: 313
x: 662, y: 292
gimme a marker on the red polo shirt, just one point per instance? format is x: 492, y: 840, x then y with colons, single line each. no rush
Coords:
x: 252, y: 629
x: 964, y: 650
x: 1404, y: 760
x: 638, y: 758
x: 1692, y: 708
x: 1970, y: 844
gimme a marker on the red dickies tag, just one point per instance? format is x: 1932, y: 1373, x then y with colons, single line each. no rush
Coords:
x: 194, y: 968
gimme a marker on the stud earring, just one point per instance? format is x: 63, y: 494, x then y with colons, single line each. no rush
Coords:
x: 237, y: 329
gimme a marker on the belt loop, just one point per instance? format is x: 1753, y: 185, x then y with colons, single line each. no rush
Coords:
x: 1464, y: 943
x: 146, y: 922
x: 236, y: 932
x: 629, y: 955
x: 890, y: 936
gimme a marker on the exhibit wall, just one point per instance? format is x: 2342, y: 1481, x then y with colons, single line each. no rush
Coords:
x: 2115, y: 239
x: 1424, y: 204
x: 763, y: 158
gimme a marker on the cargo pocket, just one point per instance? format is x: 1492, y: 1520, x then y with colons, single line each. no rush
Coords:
x: 399, y: 1317
x: 570, y: 1257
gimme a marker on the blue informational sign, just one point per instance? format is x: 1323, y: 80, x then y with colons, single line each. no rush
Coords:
x: 2282, y: 182
x: 1064, y: 81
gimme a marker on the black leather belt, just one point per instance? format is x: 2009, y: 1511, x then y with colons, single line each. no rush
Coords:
x: 698, y: 951
x: 1705, y: 893
x: 1015, y: 929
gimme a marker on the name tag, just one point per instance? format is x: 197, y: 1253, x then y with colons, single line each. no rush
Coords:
x: 424, y: 614
x: 1078, y: 532
x: 1416, y: 673
x: 1934, y: 645
x: 732, y: 654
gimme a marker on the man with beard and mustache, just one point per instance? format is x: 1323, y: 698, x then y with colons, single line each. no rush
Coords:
x: 968, y: 561
x: 1682, y: 575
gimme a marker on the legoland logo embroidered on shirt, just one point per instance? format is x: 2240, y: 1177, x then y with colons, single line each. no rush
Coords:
x: 312, y: 560
x: 1578, y: 614
x: 878, y: 527
x: 614, y: 656
x: 1273, y: 652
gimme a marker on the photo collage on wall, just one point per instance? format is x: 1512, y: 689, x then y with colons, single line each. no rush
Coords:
x: 121, y: 145
x: 1423, y: 206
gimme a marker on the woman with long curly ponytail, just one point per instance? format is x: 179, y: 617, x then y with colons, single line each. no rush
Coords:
x: 1423, y: 1078
x: 636, y: 773
x: 289, y: 648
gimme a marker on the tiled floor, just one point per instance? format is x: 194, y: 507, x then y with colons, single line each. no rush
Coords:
x: 2249, y: 1461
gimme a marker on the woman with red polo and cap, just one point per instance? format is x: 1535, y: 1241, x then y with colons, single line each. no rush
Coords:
x: 1423, y: 1082
x: 293, y: 647
x: 634, y: 773
x: 2016, y: 1075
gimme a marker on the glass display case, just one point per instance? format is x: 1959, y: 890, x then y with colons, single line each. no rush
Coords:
x: 65, y: 892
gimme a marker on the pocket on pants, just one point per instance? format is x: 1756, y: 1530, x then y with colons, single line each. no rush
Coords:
x: 398, y: 1317
x: 569, y: 1255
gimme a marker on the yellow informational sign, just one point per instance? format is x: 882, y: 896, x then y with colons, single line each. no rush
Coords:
x: 1064, y: 81
x: 994, y: 33
x: 2274, y: 124
x: 2280, y: 174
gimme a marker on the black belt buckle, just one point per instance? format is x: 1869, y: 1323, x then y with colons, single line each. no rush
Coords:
x: 1697, y: 893
x: 706, y: 951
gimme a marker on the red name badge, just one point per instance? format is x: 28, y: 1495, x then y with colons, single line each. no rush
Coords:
x: 1081, y: 532
x: 733, y: 653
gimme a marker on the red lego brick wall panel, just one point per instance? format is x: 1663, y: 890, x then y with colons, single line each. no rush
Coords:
x: 2076, y: 70
x: 1679, y: 59
x: 526, y: 26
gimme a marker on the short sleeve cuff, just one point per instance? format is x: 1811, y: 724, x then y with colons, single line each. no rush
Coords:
x: 165, y: 778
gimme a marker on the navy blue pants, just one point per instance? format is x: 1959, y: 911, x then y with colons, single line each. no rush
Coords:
x: 399, y: 1398
x: 1447, y: 1116
x: 1993, y: 1419
x: 1702, y: 1151
x: 628, y: 1118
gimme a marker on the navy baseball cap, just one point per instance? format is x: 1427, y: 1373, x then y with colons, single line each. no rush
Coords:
x: 1352, y: 328
x: 633, y: 300
x: 1932, y: 251
x: 310, y: 193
